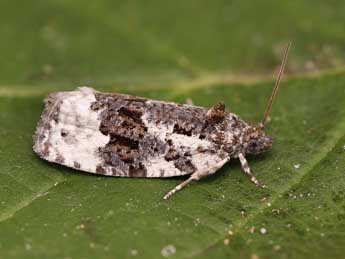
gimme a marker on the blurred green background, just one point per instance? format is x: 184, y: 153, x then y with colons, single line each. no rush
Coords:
x: 173, y: 50
x: 111, y: 43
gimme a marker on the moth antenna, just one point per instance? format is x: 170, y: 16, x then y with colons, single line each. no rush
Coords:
x: 276, y: 85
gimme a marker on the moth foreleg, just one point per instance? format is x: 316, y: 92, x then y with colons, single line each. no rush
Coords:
x: 248, y: 172
x: 197, y: 176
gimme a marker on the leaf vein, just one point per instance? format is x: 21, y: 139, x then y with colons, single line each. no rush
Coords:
x: 10, y: 213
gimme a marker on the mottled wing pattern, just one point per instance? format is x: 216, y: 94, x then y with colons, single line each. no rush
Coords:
x: 122, y: 135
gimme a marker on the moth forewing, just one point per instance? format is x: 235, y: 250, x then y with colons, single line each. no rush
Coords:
x: 122, y: 135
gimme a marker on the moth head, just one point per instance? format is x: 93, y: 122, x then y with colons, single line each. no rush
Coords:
x: 256, y: 140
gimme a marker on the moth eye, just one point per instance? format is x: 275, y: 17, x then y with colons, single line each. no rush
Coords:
x: 252, y: 146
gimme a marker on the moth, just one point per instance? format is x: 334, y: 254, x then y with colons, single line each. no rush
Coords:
x: 127, y: 136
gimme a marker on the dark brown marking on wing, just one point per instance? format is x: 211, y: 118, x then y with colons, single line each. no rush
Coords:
x: 185, y: 129
x: 125, y: 148
x: 76, y: 165
x: 185, y: 165
x: 100, y: 170
x: 59, y: 159
x: 45, y: 152
x: 172, y: 154
x: 181, y: 160
x: 133, y: 114
x: 137, y: 171
x: 161, y: 172
x: 64, y: 133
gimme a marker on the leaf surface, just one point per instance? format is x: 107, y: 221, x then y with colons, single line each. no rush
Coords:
x: 207, y: 51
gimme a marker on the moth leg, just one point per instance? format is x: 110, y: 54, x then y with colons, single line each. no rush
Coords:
x: 248, y: 172
x: 197, y: 176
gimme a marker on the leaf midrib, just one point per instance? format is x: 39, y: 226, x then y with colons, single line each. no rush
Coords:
x: 177, y: 87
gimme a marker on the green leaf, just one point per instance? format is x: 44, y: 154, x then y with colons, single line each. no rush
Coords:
x: 51, y: 211
x: 204, y: 50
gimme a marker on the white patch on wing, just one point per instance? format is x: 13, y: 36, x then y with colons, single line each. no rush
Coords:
x: 190, y: 142
x: 159, y: 167
x: 203, y: 161
x: 80, y: 125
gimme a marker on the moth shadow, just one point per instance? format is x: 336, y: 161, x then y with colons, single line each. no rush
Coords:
x: 257, y: 158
